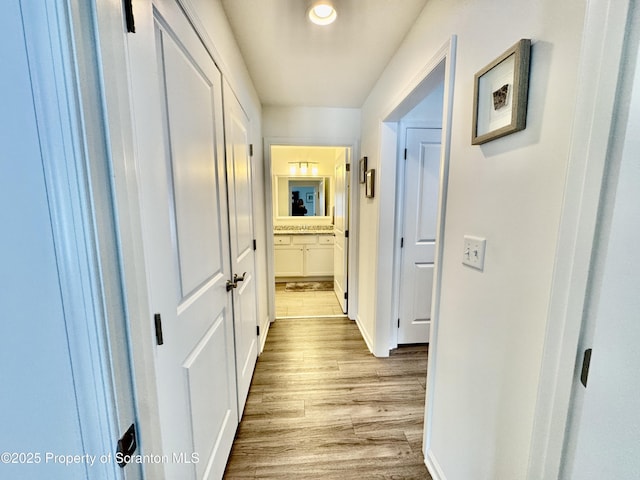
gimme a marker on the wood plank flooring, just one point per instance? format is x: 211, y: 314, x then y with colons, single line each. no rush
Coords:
x: 322, y: 407
x: 301, y: 304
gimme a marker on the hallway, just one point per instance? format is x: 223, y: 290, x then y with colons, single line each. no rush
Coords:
x: 321, y: 406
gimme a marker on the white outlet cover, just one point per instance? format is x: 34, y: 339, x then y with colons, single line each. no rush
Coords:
x: 473, y: 251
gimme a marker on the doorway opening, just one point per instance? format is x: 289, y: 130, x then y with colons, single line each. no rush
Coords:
x: 309, y: 229
x: 420, y: 166
x: 437, y: 74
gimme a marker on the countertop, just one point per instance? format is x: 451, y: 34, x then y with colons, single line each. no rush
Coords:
x: 303, y: 230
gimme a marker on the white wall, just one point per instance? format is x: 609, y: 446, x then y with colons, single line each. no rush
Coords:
x: 332, y: 125
x: 510, y: 191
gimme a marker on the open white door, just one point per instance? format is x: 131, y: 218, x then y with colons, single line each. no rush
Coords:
x: 605, y: 431
x: 421, y: 189
x: 186, y: 237
x: 341, y: 224
x: 242, y: 248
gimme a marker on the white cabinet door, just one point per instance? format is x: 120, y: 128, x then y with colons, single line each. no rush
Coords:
x: 289, y: 260
x: 305, y: 256
x: 318, y: 260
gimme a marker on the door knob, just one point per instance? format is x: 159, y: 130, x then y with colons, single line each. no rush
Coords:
x: 231, y: 285
x: 237, y: 279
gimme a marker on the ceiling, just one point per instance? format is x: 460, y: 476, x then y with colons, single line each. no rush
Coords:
x: 293, y: 62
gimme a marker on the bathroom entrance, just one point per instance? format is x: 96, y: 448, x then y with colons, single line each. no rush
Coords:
x: 310, y: 199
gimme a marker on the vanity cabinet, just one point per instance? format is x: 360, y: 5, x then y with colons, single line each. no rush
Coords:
x: 303, y: 255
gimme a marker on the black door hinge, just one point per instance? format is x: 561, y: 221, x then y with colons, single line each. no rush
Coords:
x: 258, y: 329
x: 405, y: 153
x: 255, y: 244
x: 157, y: 319
x: 398, y: 323
x: 402, y: 242
x: 346, y: 234
x: 128, y: 15
x: 251, y: 149
x: 346, y: 296
x: 586, y: 361
x: 126, y: 446
x: 347, y: 167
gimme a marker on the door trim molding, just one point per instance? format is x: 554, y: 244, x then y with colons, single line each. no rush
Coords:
x: 62, y: 47
x: 389, y: 129
x: 601, y: 60
x: 119, y: 52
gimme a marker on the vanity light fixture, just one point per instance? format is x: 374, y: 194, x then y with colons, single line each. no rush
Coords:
x: 322, y: 13
x: 303, y: 168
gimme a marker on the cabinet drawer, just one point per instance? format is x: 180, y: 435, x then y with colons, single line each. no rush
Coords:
x: 325, y: 239
x: 304, y: 239
x: 281, y: 240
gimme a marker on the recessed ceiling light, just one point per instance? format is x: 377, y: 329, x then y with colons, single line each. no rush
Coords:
x: 322, y: 13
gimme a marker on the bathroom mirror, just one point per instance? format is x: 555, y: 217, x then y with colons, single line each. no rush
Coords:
x: 302, y: 196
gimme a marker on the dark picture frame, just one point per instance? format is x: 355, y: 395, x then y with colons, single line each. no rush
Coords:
x: 370, y: 181
x: 363, y: 169
x: 500, y: 95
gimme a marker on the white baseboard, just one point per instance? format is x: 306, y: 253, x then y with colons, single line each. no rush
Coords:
x: 364, y: 334
x: 433, y: 467
x: 264, y: 330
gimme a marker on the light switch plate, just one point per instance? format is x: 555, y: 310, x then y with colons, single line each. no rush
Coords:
x: 473, y: 252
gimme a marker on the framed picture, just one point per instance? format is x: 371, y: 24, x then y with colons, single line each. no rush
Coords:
x: 363, y: 169
x: 500, y: 95
x: 370, y: 181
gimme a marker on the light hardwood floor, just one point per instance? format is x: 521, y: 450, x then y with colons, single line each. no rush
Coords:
x: 300, y: 304
x: 322, y: 407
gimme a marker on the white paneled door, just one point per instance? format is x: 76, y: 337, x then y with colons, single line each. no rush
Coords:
x: 341, y: 224
x: 184, y: 214
x: 605, y: 431
x: 242, y: 246
x: 421, y: 188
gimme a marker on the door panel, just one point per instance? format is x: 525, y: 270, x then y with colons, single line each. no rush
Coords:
x: 242, y: 253
x: 210, y: 411
x: 341, y: 224
x: 428, y: 171
x: 423, y: 276
x: 421, y: 189
x: 187, y: 242
x: 195, y: 182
